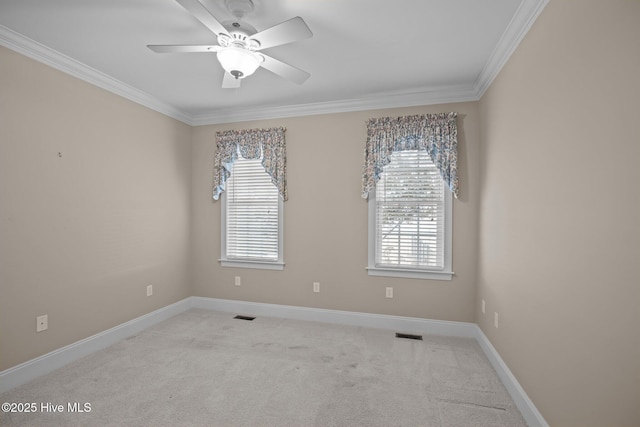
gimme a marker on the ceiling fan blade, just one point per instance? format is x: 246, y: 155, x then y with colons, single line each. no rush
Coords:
x: 286, y: 32
x: 203, y: 15
x: 163, y: 48
x: 230, y: 82
x: 287, y: 71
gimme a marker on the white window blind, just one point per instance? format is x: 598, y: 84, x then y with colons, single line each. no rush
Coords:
x: 410, y: 214
x: 252, y: 214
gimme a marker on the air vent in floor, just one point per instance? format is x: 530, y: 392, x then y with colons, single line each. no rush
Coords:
x: 409, y: 336
x: 244, y: 317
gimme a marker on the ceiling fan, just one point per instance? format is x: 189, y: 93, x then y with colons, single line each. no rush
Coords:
x: 239, y: 44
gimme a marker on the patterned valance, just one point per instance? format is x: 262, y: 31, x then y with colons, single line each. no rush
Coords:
x: 437, y: 134
x: 267, y: 144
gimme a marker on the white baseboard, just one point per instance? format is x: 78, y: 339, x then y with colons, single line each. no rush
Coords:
x: 400, y: 324
x: 31, y: 369
x: 34, y: 368
x: 380, y: 321
x: 530, y: 413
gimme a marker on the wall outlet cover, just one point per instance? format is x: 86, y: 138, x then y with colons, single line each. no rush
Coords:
x: 42, y: 323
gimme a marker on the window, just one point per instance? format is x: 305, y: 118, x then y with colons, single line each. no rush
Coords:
x: 251, y: 218
x: 410, y: 220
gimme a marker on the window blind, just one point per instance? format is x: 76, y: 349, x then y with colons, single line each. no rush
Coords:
x: 252, y: 213
x: 410, y: 213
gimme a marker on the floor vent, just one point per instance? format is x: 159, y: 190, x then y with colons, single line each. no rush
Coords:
x: 409, y: 336
x: 247, y: 318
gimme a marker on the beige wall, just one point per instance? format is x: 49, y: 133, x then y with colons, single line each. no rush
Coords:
x: 560, y: 213
x: 83, y: 234
x: 546, y: 230
x: 325, y: 231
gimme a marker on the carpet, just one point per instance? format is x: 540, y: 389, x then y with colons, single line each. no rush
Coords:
x: 205, y: 368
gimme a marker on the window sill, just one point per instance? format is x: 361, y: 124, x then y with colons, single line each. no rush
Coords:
x: 262, y: 265
x: 409, y: 274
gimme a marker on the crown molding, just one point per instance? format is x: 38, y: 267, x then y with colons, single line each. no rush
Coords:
x: 525, y: 16
x: 445, y: 95
x: 520, y: 24
x: 41, y: 53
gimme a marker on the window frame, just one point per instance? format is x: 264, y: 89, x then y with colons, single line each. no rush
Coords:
x: 445, y: 273
x: 248, y: 262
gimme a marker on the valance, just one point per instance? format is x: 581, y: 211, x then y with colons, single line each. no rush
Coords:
x: 437, y: 134
x: 265, y: 144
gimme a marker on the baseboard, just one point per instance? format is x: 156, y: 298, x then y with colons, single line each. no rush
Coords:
x: 29, y: 370
x: 44, y: 364
x: 370, y: 320
x: 401, y: 324
x: 529, y: 412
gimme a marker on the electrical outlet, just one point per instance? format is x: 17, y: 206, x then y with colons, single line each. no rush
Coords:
x: 149, y: 290
x: 316, y: 287
x: 389, y: 292
x: 495, y: 319
x: 237, y: 282
x: 42, y: 323
x: 483, y: 307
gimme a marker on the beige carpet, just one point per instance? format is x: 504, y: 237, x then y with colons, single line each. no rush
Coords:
x: 204, y: 368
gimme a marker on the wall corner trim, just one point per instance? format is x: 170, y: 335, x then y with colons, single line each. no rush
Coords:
x: 27, y: 371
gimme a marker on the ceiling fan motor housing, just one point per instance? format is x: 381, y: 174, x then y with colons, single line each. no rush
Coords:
x: 240, y: 33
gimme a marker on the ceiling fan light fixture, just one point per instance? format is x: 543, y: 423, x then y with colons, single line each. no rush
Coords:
x: 239, y: 62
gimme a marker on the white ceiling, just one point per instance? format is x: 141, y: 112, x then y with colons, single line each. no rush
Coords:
x: 363, y: 54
